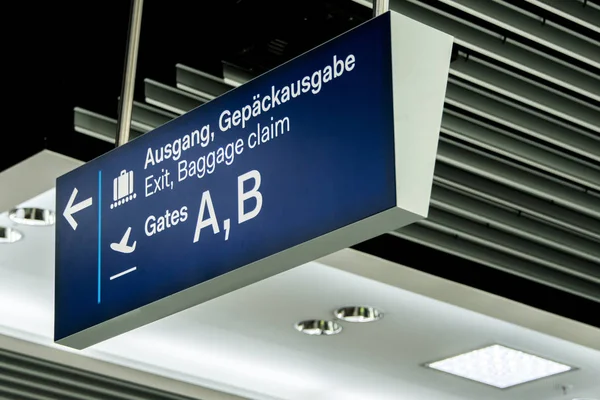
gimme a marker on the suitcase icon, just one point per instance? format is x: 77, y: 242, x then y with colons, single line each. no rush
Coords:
x: 123, y: 185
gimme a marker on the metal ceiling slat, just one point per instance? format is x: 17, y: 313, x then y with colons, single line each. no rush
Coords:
x: 506, y: 144
x: 586, y: 85
x: 530, y: 29
x: 517, y: 178
x: 527, y: 111
x: 496, y: 46
x: 549, y: 20
x: 30, y: 389
x: 143, y: 119
x: 235, y: 76
x: 169, y: 98
x: 513, y: 223
x: 450, y: 243
x: 94, y: 124
x: 521, y: 84
x: 99, y: 126
x: 146, y: 117
x: 506, y: 243
x: 410, y: 8
x: 526, y: 148
x: 485, y: 75
x: 528, y: 205
x: 65, y: 392
x: 14, y: 393
x: 592, y: 4
x: 490, y: 107
x: 573, y: 10
x: 563, y: 26
x: 592, y: 73
x: 50, y: 377
x: 200, y: 83
x: 78, y: 382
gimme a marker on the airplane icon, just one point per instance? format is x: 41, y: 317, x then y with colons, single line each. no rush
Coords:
x: 122, y: 246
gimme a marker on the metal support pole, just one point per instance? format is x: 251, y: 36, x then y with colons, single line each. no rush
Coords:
x: 127, y: 90
x: 380, y: 7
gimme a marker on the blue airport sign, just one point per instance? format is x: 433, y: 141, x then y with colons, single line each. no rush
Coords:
x: 330, y: 149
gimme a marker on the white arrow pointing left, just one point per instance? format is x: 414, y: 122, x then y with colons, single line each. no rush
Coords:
x: 74, y: 208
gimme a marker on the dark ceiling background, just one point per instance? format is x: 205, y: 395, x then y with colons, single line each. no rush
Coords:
x: 68, y: 54
x: 72, y: 54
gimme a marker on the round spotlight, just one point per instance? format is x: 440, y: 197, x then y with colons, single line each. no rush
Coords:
x: 318, y: 327
x: 358, y: 314
x: 32, y: 216
x: 9, y: 235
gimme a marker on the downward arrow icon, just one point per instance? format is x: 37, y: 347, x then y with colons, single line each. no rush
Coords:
x: 74, y: 208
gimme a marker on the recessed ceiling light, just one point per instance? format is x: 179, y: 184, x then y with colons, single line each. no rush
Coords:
x: 32, y: 216
x: 9, y: 235
x: 358, y: 314
x: 499, y: 366
x: 318, y: 327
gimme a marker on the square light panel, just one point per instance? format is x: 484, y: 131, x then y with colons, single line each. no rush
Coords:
x: 499, y: 366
